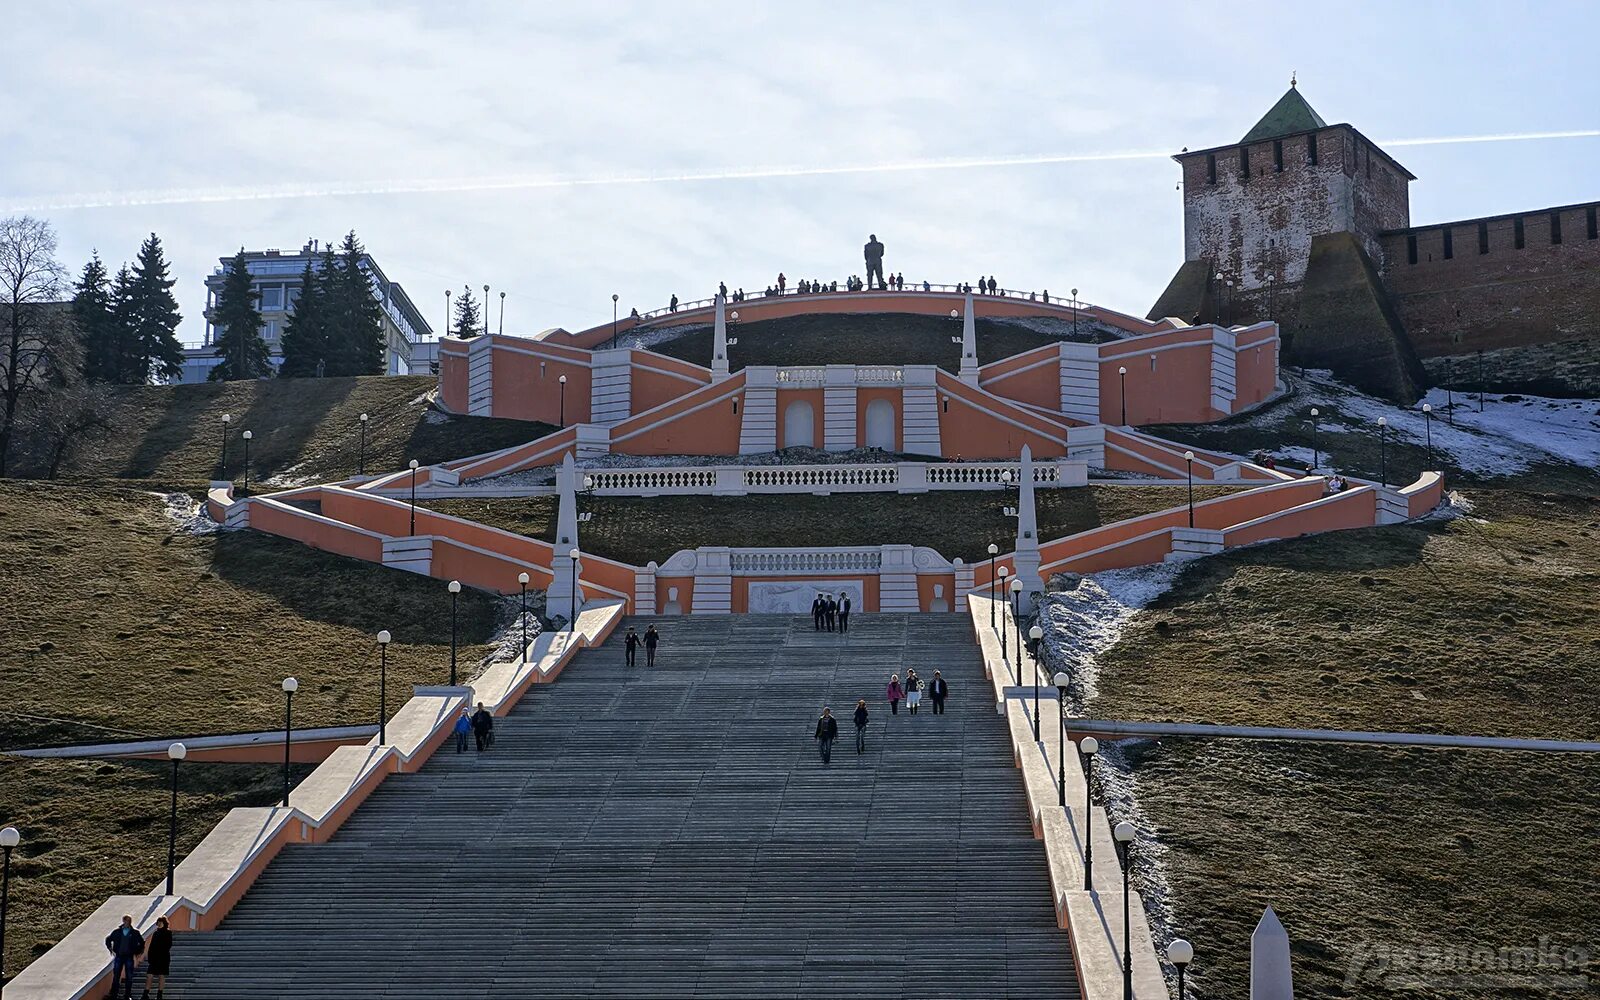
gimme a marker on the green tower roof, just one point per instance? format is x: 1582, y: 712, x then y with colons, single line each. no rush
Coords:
x: 1290, y: 115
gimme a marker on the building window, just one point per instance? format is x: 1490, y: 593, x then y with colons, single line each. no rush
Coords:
x: 1311, y: 149
x: 1411, y: 248
x: 1517, y: 236
x: 1244, y: 163
x: 1449, y: 244
x: 271, y: 298
x: 1211, y: 168
x: 1483, y: 237
x: 1594, y: 231
x: 1277, y: 155
x: 1555, y: 227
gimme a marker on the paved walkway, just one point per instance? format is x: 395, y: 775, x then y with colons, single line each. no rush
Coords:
x: 672, y: 833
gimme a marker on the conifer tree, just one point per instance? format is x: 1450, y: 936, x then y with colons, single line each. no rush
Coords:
x: 305, y: 335
x: 467, y: 323
x: 124, y: 365
x: 93, y: 310
x: 153, y: 313
x: 356, y: 340
x: 244, y: 354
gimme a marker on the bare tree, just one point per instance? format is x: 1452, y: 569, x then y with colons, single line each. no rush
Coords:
x: 39, y: 350
x: 58, y: 425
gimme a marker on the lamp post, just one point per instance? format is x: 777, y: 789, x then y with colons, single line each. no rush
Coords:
x: 176, y: 752
x: 1124, y: 834
x: 993, y: 551
x: 562, y: 417
x: 1074, y: 313
x: 502, y: 328
x: 1088, y: 746
x: 1427, y: 424
x: 1316, y: 457
x: 1016, y: 621
x: 361, y: 464
x: 1270, y: 282
x: 613, y: 319
x: 522, y: 581
x: 1062, y: 681
x: 290, y: 686
x: 1004, y: 655
x: 222, y: 473
x: 485, y: 310
x: 1122, y: 376
x: 383, y: 686
x: 454, y: 586
x: 1180, y: 953
x: 1383, y: 450
x: 413, y: 467
x: 10, y: 837
x: 1188, y: 462
x: 447, y: 312
x: 1036, y: 635
x: 572, y: 619
x: 246, y: 491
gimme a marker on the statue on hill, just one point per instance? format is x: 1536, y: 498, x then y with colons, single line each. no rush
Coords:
x: 874, y: 255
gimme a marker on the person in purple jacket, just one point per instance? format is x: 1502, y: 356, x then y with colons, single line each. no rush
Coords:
x: 894, y: 693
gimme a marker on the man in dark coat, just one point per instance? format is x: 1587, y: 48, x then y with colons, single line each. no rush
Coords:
x: 873, y: 251
x: 126, y: 944
x: 652, y: 638
x: 483, y: 727
x: 827, y: 732
x: 630, y: 646
x: 938, y: 690
x: 830, y: 612
x: 816, y: 614
x: 844, y: 612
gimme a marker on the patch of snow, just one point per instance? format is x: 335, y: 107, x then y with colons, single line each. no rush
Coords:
x: 1119, y: 793
x: 1567, y: 429
x: 508, y: 638
x: 189, y: 515
x: 436, y: 417
x: 646, y: 339
x: 1082, y: 622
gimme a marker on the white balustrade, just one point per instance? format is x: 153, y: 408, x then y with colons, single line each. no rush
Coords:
x: 763, y: 561
x: 811, y: 373
x: 879, y: 375
x: 636, y: 481
x: 789, y: 478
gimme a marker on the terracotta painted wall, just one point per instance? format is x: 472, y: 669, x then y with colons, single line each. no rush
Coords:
x: 1356, y: 508
x: 701, y: 423
x: 926, y: 582
x: 685, y: 588
x: 1033, y: 378
x: 655, y: 380
x: 812, y: 396
x: 1176, y: 390
x: 969, y: 430
x: 527, y: 386
x: 453, y: 380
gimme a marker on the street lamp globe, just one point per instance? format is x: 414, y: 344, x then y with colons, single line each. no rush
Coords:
x: 1122, y: 370
x: 290, y: 685
x: 1316, y: 412
x: 994, y: 549
x: 1061, y: 680
x: 227, y: 418
x: 1016, y: 585
x: 1089, y: 745
x: 562, y: 380
x: 1427, y: 407
x: 363, y: 418
x: 1180, y: 952
x: 1124, y: 833
x: 10, y: 837
x: 1005, y: 476
x: 734, y: 315
x: 454, y: 586
x: 1383, y: 421
x: 248, y: 435
x: 413, y: 464
x: 384, y: 637
x: 588, y: 482
x: 522, y: 578
x: 573, y: 555
x: 1188, y: 456
x: 1004, y: 572
x: 177, y: 751
x: 1036, y: 633
x: 954, y: 314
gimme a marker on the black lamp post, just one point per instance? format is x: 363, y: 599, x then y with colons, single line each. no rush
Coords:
x: 522, y: 581
x: 10, y: 837
x: 1004, y: 634
x: 454, y: 586
x: 1316, y: 456
x: 994, y: 550
x: 290, y: 686
x: 1180, y: 953
x: 1188, y: 461
x: 1124, y: 835
x: 413, y: 467
x: 222, y: 473
x: 485, y: 310
x: 246, y: 491
x: 1427, y: 424
x: 1062, y: 681
x: 502, y: 328
x: 1122, y: 375
x: 1035, y: 636
x: 563, y: 412
x: 572, y: 610
x: 613, y: 319
x: 361, y: 464
x: 1088, y: 747
x: 383, y: 686
x: 176, y: 752
x: 1383, y: 450
x: 1074, y: 314
x: 447, y: 311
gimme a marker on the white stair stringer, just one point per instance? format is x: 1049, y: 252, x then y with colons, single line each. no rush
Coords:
x: 1224, y: 370
x: 611, y: 391
x: 412, y: 553
x: 1080, y: 382
x: 898, y: 592
x: 919, y: 417
x: 758, y: 426
x: 480, y: 377
x: 839, y: 418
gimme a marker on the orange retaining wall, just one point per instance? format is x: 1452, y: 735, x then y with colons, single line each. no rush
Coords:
x: 1354, y: 508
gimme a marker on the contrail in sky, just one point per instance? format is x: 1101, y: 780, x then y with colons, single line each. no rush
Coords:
x: 529, y: 182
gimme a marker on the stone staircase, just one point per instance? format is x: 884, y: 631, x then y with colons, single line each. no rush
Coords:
x: 671, y: 832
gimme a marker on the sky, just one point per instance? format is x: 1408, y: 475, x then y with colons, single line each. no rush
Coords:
x: 564, y: 152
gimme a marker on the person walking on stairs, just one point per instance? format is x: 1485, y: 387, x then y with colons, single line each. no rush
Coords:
x: 894, y: 693
x: 939, y: 691
x: 827, y: 732
x: 861, y: 727
x: 652, y: 638
x: 158, y: 959
x: 463, y: 729
x: 630, y: 646
x: 126, y: 944
x: 913, y: 691
x: 844, y: 612
x: 816, y: 614
x: 483, y: 727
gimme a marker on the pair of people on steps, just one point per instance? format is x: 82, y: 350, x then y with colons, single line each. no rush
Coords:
x: 828, y: 731
x: 126, y: 944
x: 632, y: 641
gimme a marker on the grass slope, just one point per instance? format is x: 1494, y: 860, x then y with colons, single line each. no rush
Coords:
x: 956, y: 523
x: 305, y: 429
x: 860, y: 339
